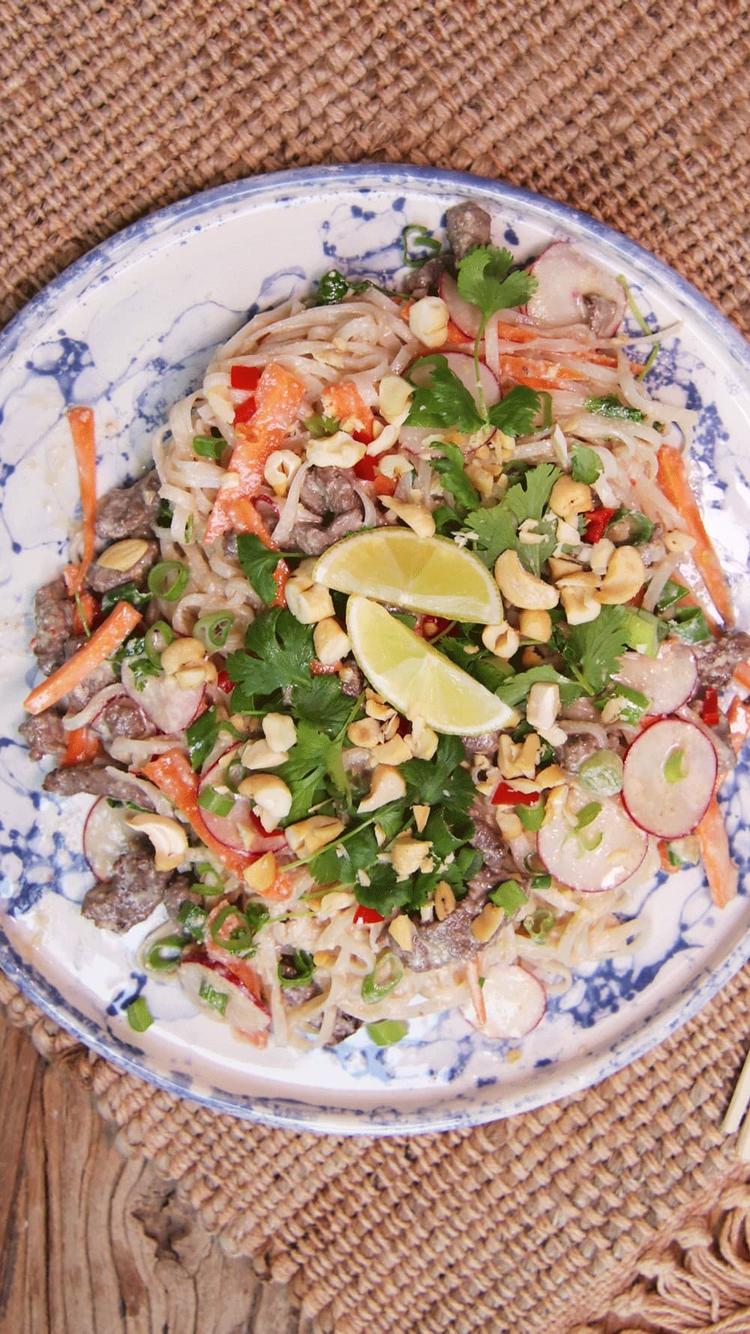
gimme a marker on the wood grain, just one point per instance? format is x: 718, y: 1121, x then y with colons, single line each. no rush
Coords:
x: 93, y: 1242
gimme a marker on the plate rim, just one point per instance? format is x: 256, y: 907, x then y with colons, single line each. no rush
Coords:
x: 673, y: 1013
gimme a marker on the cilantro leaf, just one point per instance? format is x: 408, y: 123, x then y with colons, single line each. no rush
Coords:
x: 483, y: 666
x: 258, y: 564
x: 514, y: 689
x: 313, y: 759
x: 359, y: 850
x: 440, y: 399
x: 332, y: 287
x: 441, y: 780
x: 610, y: 406
x: 633, y: 527
x: 586, y: 465
x: 386, y: 894
x: 278, y: 653
x: 594, y: 649
x: 319, y: 425
x: 322, y: 701
x: 450, y: 468
x: 529, y: 498
x: 203, y: 734
x: 514, y: 414
x: 496, y: 527
x: 485, y: 279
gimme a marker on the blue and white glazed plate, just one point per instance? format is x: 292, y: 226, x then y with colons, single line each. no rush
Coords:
x: 129, y: 330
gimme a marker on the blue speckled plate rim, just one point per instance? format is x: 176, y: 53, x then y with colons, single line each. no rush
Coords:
x: 672, y: 1015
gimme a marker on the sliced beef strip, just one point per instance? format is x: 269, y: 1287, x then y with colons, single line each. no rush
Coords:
x: 122, y: 717
x: 136, y: 888
x: 98, y: 780
x: 598, y: 312
x: 351, y: 680
x: 129, y: 511
x: 53, y: 614
x: 434, y: 944
x: 467, y: 225
x: 344, y: 1025
x: 329, y: 494
x: 44, y: 735
x: 176, y: 891
x: 313, y: 539
x: 101, y: 580
x: 717, y: 659
x: 484, y: 744
x: 425, y: 281
x: 573, y: 753
x: 490, y: 842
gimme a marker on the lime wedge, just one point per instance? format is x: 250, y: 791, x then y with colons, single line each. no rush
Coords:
x: 415, y: 678
x: 423, y: 574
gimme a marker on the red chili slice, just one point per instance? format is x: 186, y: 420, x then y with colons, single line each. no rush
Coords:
x: 710, y: 707
x: 505, y: 795
x: 245, y: 410
x: 245, y: 377
x: 597, y: 524
x: 367, y: 916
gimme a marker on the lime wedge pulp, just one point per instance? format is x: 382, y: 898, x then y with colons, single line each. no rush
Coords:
x: 421, y: 574
x: 415, y: 678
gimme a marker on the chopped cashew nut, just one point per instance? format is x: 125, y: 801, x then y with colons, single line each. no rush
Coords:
x: 559, y: 566
x: 409, y: 855
x: 502, y: 640
x: 536, y: 625
x: 259, y: 755
x: 518, y: 759
x: 421, y: 816
x: 395, y: 751
x: 261, y: 875
x: 280, y: 468
x: 270, y: 795
x: 340, y: 450
x: 625, y: 576
x: 376, y: 707
x: 569, y: 498
x: 387, y: 785
x: 428, y: 321
x: 394, y: 396
x: 308, y: 605
x: 331, y: 642
x: 418, y: 517
x: 423, y: 740
x: 123, y: 555
x: 402, y: 931
x: 181, y: 653
x: 580, y: 606
x: 166, y: 835
x: 395, y: 466
x: 600, y: 554
x: 365, y: 733
x: 676, y: 541
x: 308, y: 836
x: 280, y: 731
x: 445, y: 900
x: 520, y: 588
x: 487, y: 922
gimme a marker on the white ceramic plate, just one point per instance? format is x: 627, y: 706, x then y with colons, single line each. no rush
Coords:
x: 128, y: 329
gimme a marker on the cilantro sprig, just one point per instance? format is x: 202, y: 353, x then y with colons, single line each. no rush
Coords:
x: 441, y: 401
x: 487, y: 279
x: 497, y: 526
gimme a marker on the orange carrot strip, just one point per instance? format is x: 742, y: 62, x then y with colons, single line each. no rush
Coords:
x: 172, y: 774
x: 100, y: 646
x: 721, y: 871
x: 81, y: 422
x: 344, y: 401
x: 516, y: 364
x: 517, y: 333
x: 280, y: 577
x: 82, y: 745
x: 738, y: 718
x: 673, y: 480
x: 742, y: 674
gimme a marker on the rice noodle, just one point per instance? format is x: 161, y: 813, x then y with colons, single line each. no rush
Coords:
x: 72, y: 721
x: 288, y: 514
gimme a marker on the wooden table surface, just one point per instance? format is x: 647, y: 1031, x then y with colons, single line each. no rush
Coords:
x: 93, y: 1242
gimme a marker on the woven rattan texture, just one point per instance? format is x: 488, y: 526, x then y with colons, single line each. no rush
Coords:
x: 640, y: 114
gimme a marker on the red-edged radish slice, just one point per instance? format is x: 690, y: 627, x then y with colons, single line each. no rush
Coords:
x: 514, y: 999
x: 240, y: 830
x: 170, y: 707
x: 602, y: 854
x: 462, y: 365
x: 573, y: 289
x: 466, y: 316
x: 106, y: 836
x: 668, y: 680
x: 669, y: 778
x: 208, y: 982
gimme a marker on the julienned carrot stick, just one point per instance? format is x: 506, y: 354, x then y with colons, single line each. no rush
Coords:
x: 721, y: 871
x: 344, y: 401
x: 742, y: 674
x: 172, y: 774
x: 738, y: 718
x: 96, y: 650
x: 82, y: 745
x: 81, y: 422
x: 673, y: 480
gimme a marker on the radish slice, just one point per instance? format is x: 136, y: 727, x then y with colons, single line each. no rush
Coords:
x: 466, y: 316
x: 514, y: 999
x: 573, y: 289
x: 106, y: 837
x: 240, y: 830
x: 170, y: 708
x: 668, y: 680
x: 241, y: 1008
x: 669, y: 779
x: 462, y: 365
x: 601, y: 855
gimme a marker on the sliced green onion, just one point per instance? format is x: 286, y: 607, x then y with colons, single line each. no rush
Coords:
x: 541, y: 882
x: 684, y: 851
x: 164, y: 955
x: 674, y: 766
x: 387, y: 1031
x: 209, y: 891
x: 209, y: 446
x: 546, y: 409
x: 319, y: 425
x: 139, y: 1016
x: 602, y: 773
x: 168, y: 580
x: 214, y: 629
x: 164, y: 514
x: 386, y: 974
x: 128, y: 592
x: 415, y: 239
x: 509, y: 896
x: 217, y: 1000
x: 588, y: 814
x: 157, y: 638
x: 631, y: 704
x: 671, y: 593
x: 218, y: 803
x: 240, y: 938
x: 539, y: 924
x: 304, y: 967
x: 590, y: 840
x: 192, y: 918
x: 531, y: 817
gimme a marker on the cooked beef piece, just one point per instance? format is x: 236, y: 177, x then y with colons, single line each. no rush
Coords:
x: 467, y: 226
x: 313, y: 540
x: 129, y: 511
x: 122, y: 717
x: 572, y: 754
x: 582, y: 710
x: 344, y: 1025
x: 78, y: 698
x: 351, y: 679
x: 329, y: 494
x: 484, y: 744
x: 425, y: 281
x: 101, y: 579
x: 435, y: 944
x: 598, y: 312
x: 176, y: 891
x: 99, y: 780
x: 717, y: 659
x: 488, y: 839
x: 44, y: 735
x: 130, y: 896
x: 53, y: 614
x: 294, y: 996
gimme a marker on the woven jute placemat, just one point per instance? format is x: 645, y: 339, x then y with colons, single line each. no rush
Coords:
x: 621, y: 1208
